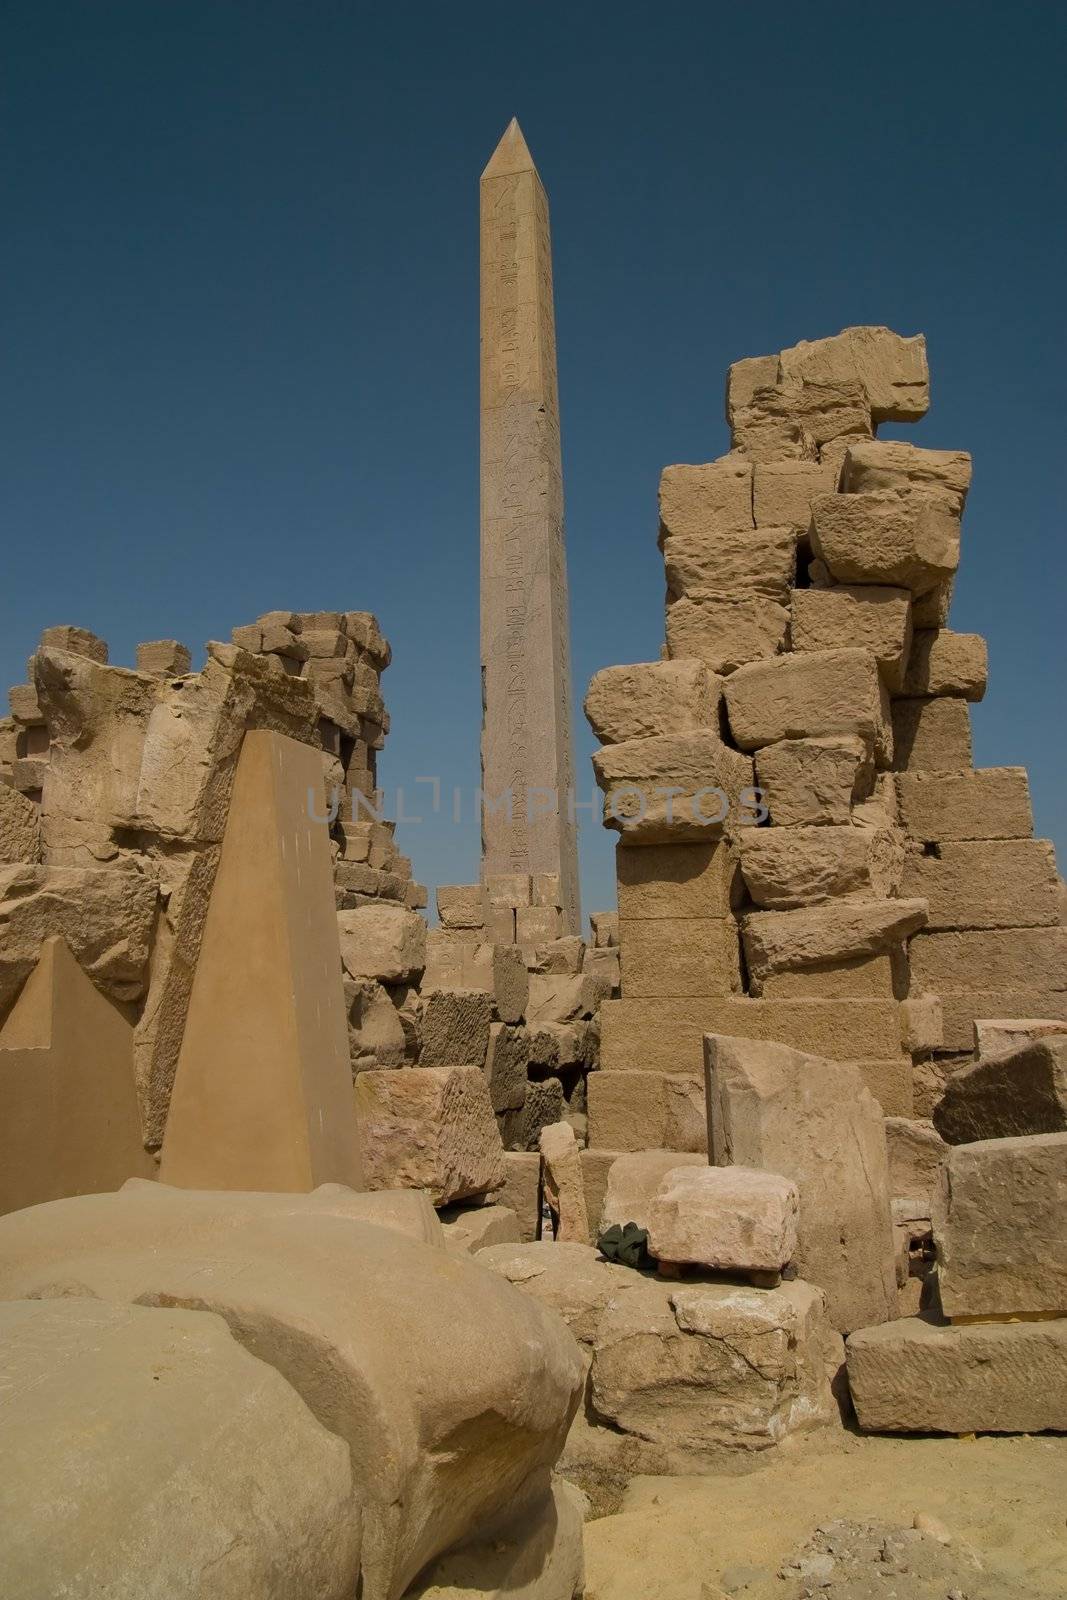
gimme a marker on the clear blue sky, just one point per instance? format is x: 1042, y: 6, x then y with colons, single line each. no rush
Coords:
x: 240, y: 313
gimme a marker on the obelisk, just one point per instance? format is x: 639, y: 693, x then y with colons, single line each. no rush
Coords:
x: 528, y: 816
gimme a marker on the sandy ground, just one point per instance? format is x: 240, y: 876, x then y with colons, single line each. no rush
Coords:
x: 1000, y: 1503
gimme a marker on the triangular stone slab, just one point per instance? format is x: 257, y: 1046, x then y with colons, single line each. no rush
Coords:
x: 69, y: 1122
x: 263, y: 1093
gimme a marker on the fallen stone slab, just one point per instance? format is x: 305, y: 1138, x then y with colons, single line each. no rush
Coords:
x: 734, y: 1219
x: 913, y: 1376
x: 634, y: 1179
x: 1012, y: 1094
x: 840, y: 930
x: 429, y: 1128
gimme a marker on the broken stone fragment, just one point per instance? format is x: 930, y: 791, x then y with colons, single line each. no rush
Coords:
x: 163, y: 658
x: 387, y: 942
x: 652, y: 697
x: 861, y: 616
x: 429, y: 1128
x: 76, y: 641
x: 947, y: 663
x: 784, y: 869
x: 605, y: 928
x: 376, y: 1035
x: 20, y: 827
x: 734, y: 1219
x: 569, y: 1278
x: 810, y: 695
x: 634, y: 1179
x: 726, y: 630
x: 470, y: 1228
x: 453, y: 1028
x: 813, y: 781
x: 931, y: 735
x: 562, y: 1181
x: 676, y: 788
x: 872, y: 464
x: 909, y: 540
x: 891, y: 368
x: 835, y: 931
x: 1009, y: 1094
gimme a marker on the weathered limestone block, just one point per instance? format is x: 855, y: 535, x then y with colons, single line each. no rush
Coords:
x: 436, y: 1343
x: 521, y: 1191
x: 556, y: 998
x: 707, y: 1366
x: 20, y: 827
x: 735, y: 1219
x: 163, y: 658
x: 543, y: 1106
x: 813, y: 781
x: 69, y: 1120
x: 456, y: 958
x: 507, y: 889
x: 837, y: 931
x: 511, y: 983
x: 677, y: 788
x: 470, y: 1228
x: 262, y: 1095
x: 678, y: 880
x: 385, y: 941
x: 891, y: 1081
x: 117, y: 1411
x: 105, y: 915
x: 725, y: 631
x: 891, y: 369
x: 603, y: 964
x: 946, y: 663
x: 860, y: 616
x: 916, y: 1155
x: 568, y: 1278
x: 991, y: 959
x: 999, y: 1225
x: 633, y: 1181
x: 794, y: 417
x: 912, y: 1376
x: 75, y: 641
x: 679, y: 956
x: 429, y: 1128
x: 698, y: 501
x: 862, y: 978
x: 666, y: 1035
x: 653, y: 697
x: 538, y: 1556
x: 872, y: 464
x: 1011, y: 1094
x: 814, y: 1122
x: 639, y: 1110
x: 25, y: 706
x: 562, y: 1182
x: 460, y: 905
x: 810, y: 695
x: 784, y: 869
x: 505, y: 1066
x: 922, y: 1023
x: 962, y: 1009
x: 995, y: 883
x: 558, y: 957
x: 744, y: 377
x: 990, y: 803
x: 453, y: 1028
x: 782, y: 491
x: 376, y: 1035
x: 931, y: 735
x: 910, y: 540
x: 724, y: 561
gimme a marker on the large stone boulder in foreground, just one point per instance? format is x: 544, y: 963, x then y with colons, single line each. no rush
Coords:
x: 149, y: 1457
x: 453, y: 1392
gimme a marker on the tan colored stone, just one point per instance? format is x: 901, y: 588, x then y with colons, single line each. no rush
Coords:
x: 537, y: 924
x: 990, y: 803
x: 511, y: 984
x: 991, y: 959
x: 76, y: 641
x: 782, y: 491
x: 714, y: 560
x: 429, y: 1128
x: 812, y: 780
x: 562, y: 1183
x: 376, y: 1037
x: 538, y: 1555
x: 605, y: 926
x: 911, y: 1376
x: 702, y: 1367
x: 453, y: 1028
x: 25, y: 706
x: 795, y: 416
x: 505, y: 1066
x: 998, y: 883
x: 460, y: 905
x: 735, y: 1219
x: 998, y: 1222
x: 568, y: 1278
x: 931, y: 735
x: 890, y: 1080
x: 521, y: 1192
x: 947, y: 663
x: 559, y: 957
x: 544, y: 1105
x: 603, y: 964
x: 862, y: 978
x: 596, y: 1170
x: 812, y: 1121
x: 963, y: 1007
x: 891, y: 369
x: 642, y: 1110
x: 724, y: 631
x: 697, y: 501
x: 116, y: 1410
x: 163, y: 658
x: 996, y: 1036
x: 468, y: 1229
x: 910, y: 540
x: 922, y: 1023
x: 1010, y: 1094
x: 634, y: 1179
x: 385, y: 941
x: 872, y: 464
x: 653, y: 697
x: 20, y: 827
x: 676, y: 880
x: 861, y: 616
x: 836, y: 931
x: 674, y: 788
x: 679, y: 956
x: 916, y: 1155
x: 784, y: 869
x: 555, y: 998
x: 810, y: 695
x: 262, y: 1096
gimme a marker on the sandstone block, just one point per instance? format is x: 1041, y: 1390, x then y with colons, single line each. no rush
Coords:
x: 508, y: 889
x: 453, y: 1028
x: 605, y: 926
x: 814, y: 1122
x: 568, y: 1278
x: 922, y: 1023
x: 76, y: 641
x: 721, y: 561
x: 674, y: 788
x: 633, y: 1180
x: 562, y: 1183
x: 429, y: 1128
x: 376, y: 1037
x: 912, y: 1376
x: 963, y: 1008
x: 521, y: 1193
x: 891, y: 369
x: 998, y: 883
x: 726, y: 630
x: 20, y: 827
x: 796, y: 416
x: 997, y: 1036
x: 603, y: 964
x: 708, y: 1366
x: 812, y: 781
x: 858, y: 616
x: 916, y: 1155
x: 505, y: 1066
x: 890, y: 1081
x: 699, y: 500
x: 734, y: 1219
x: 114, y: 1411
x: 785, y: 869
x: 931, y: 735
x: 25, y: 706
x: 986, y: 960
x: 744, y: 377
x: 837, y: 931
x: 460, y: 905
x: 694, y: 956
x: 555, y: 998
x: 677, y: 880
x: 653, y: 697
x: 511, y: 983
x: 559, y: 957
x: 872, y: 464
x: 537, y: 924
x: 1011, y: 1094
x: 946, y: 663
x: 641, y: 1110
x: 809, y: 695
x: 909, y: 540
x: 468, y: 1229
x: 990, y: 803
x: 164, y: 658
x: 544, y: 1105
x: 862, y: 978
x: 782, y: 491
x: 387, y: 942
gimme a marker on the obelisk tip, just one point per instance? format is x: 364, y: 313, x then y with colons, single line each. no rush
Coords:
x: 511, y: 155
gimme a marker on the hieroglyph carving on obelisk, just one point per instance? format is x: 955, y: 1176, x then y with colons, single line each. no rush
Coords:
x: 528, y: 816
